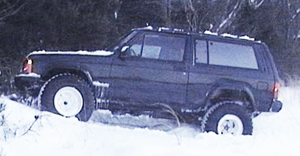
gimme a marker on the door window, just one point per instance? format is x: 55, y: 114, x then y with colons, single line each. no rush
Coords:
x: 158, y: 47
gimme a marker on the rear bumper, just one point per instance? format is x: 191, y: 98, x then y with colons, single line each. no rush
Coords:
x: 276, y: 106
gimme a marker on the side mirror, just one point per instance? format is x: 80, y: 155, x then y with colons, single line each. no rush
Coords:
x: 124, y: 49
x: 123, y: 53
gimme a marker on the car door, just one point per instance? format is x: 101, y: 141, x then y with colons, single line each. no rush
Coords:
x: 151, y: 68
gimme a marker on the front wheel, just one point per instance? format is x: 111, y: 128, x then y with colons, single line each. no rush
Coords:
x: 228, y: 117
x: 67, y: 95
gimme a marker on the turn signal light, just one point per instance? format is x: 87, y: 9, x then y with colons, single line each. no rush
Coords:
x: 276, y: 90
x: 28, y: 66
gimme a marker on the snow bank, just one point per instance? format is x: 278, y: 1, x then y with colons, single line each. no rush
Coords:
x: 274, y: 134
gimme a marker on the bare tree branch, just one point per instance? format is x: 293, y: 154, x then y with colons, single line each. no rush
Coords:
x: 255, y: 4
x: 297, y: 13
x: 191, y: 15
x: 10, y: 9
x: 228, y: 21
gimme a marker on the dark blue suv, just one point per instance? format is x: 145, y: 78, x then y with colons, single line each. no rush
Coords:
x: 215, y: 82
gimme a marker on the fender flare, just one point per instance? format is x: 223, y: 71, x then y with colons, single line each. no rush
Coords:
x: 73, y: 70
x: 238, y: 87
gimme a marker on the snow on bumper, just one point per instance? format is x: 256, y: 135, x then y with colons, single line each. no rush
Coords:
x: 23, y: 81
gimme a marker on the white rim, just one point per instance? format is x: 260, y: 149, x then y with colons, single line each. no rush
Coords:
x: 68, y: 101
x: 230, y: 124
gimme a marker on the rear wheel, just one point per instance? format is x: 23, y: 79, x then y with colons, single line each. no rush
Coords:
x: 67, y: 95
x: 228, y: 117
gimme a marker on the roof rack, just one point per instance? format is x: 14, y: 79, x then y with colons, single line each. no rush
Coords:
x: 183, y: 31
x: 164, y: 29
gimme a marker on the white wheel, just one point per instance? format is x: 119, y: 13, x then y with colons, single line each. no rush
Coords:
x: 68, y: 101
x: 67, y: 95
x: 227, y: 117
x: 230, y: 124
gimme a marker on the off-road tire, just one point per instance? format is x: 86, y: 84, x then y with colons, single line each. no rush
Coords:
x: 65, y: 82
x: 215, y: 113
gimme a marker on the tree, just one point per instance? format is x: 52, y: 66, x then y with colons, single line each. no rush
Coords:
x: 293, y: 27
x: 9, y: 8
x: 31, y: 25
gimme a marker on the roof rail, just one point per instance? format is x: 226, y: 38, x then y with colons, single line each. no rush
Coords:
x: 183, y: 31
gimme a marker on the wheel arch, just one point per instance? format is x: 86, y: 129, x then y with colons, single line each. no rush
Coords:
x: 233, y: 92
x: 56, y: 71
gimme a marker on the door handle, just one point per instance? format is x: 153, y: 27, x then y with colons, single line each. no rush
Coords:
x: 179, y: 67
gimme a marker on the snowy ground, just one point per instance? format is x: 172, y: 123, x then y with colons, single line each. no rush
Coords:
x: 274, y: 134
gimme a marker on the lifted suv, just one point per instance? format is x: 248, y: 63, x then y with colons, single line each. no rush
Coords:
x: 215, y: 82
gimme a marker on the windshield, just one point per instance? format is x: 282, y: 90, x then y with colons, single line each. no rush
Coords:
x: 120, y: 42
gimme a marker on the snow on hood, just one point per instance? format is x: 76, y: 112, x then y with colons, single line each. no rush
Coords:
x: 96, y: 53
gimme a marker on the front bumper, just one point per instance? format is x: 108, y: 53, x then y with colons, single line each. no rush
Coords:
x: 276, y: 106
x: 28, y: 81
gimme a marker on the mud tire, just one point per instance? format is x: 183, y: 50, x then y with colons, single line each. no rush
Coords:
x: 67, y: 95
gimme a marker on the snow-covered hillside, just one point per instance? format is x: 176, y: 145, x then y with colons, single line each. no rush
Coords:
x: 26, y: 131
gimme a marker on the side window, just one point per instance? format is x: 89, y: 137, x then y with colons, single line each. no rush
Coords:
x: 157, y: 47
x: 225, y: 54
x: 136, y: 47
x: 201, y: 51
x: 232, y: 55
x: 163, y: 47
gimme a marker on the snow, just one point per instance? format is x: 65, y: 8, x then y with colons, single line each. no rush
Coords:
x: 35, y: 75
x: 210, y: 33
x: 169, y: 29
x: 245, y: 37
x: 97, y: 53
x: 97, y: 83
x: 229, y: 35
x: 274, y: 134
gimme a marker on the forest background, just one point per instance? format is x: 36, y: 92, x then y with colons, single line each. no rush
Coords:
x: 31, y: 25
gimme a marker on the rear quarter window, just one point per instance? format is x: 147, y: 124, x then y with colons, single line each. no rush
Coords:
x: 226, y: 54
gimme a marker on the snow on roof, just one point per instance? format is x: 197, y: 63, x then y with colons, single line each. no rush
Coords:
x: 207, y: 32
x: 247, y: 38
x: 144, y: 28
x: 170, y: 29
x: 230, y: 36
x: 148, y: 27
x: 97, y: 53
x: 210, y: 33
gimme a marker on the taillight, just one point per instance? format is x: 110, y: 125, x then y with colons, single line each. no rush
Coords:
x: 28, y: 66
x: 276, y: 90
